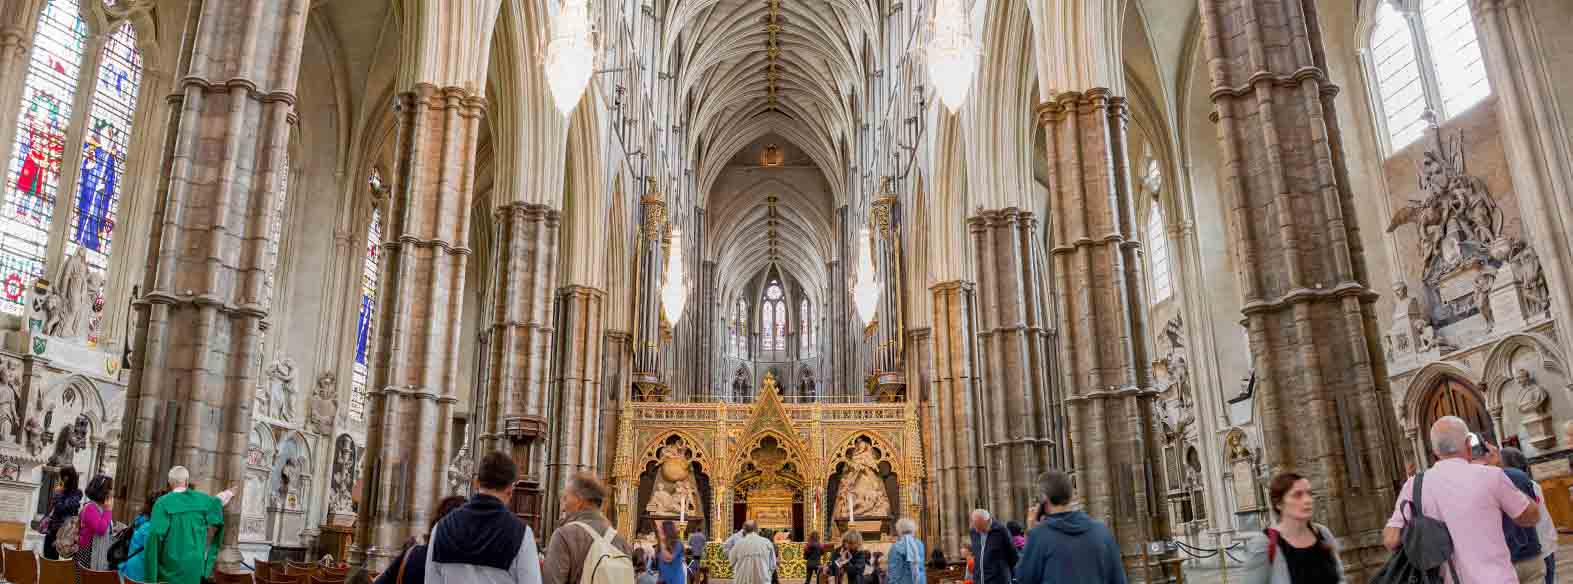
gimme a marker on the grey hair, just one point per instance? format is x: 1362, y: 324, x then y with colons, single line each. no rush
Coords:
x: 981, y: 514
x: 1448, y: 436
x: 750, y: 527
x: 906, y: 526
x: 179, y: 477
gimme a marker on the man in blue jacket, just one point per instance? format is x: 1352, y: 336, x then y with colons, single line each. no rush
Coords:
x: 1066, y: 545
x: 991, y: 546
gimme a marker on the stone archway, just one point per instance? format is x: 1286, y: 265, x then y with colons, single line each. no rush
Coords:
x: 1451, y: 395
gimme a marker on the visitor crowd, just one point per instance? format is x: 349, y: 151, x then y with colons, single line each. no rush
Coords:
x: 1475, y: 516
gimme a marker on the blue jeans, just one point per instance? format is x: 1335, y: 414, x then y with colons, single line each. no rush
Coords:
x: 1551, y: 569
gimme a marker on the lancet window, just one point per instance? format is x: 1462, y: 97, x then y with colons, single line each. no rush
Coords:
x: 1423, y: 55
x: 360, y: 371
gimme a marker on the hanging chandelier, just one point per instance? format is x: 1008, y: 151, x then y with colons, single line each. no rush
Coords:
x: 674, y: 293
x: 952, y: 54
x: 570, y: 57
x: 865, y: 293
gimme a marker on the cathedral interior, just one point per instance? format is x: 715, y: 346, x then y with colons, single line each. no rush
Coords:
x: 822, y: 264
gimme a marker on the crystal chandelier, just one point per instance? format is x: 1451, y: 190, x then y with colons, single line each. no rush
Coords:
x: 952, y: 54
x: 865, y: 293
x: 570, y: 57
x: 674, y: 294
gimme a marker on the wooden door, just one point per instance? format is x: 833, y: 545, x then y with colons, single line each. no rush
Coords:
x: 1452, y: 396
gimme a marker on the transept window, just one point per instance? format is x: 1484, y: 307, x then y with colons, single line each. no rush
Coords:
x: 1158, y: 256
x: 774, y: 316
x: 360, y: 372
x: 805, y: 325
x: 1424, y: 55
x: 34, y: 173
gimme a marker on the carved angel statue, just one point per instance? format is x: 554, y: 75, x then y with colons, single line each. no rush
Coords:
x: 1458, y: 218
x: 281, y: 389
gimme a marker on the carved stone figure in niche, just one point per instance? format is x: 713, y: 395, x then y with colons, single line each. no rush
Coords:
x: 33, y: 436
x: 862, y: 487
x: 284, y: 483
x: 346, y: 461
x: 72, y: 438
x: 740, y: 383
x: 281, y: 389
x: 324, y: 406
x: 1534, y: 398
x: 460, y: 473
x: 11, y: 409
x: 1458, y: 219
x: 1531, y: 280
x: 1482, y: 299
x: 806, y: 383
x: 67, y: 308
x: 675, y: 492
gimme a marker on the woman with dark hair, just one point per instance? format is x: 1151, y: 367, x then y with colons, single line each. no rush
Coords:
x: 1018, y: 535
x: 669, y: 555
x: 133, y: 567
x: 412, y: 561
x: 63, y: 505
x: 1293, y: 550
x: 93, y: 537
x: 812, y: 552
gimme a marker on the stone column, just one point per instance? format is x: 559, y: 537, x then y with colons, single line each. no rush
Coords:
x: 426, y: 247
x: 1014, y: 341
x: 647, y: 379
x: 1101, y: 306
x: 690, y: 377
x: 1324, y: 407
x: 712, y: 327
x: 615, y: 366
x: 522, y: 335
x: 842, y: 324
x: 1537, y: 149
x: 957, y: 461
x: 198, y: 321
x: 576, y: 441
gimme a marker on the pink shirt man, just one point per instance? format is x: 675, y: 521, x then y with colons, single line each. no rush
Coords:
x: 1471, y: 499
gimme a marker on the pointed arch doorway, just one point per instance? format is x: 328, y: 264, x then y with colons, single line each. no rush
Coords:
x: 1451, y: 395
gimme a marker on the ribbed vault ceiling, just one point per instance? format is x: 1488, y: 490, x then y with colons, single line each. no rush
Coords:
x: 762, y: 216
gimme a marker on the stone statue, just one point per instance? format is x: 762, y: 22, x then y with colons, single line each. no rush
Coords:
x: 675, y: 491
x: 341, y: 492
x: 1534, y: 398
x: 862, y: 488
x: 11, y: 409
x: 71, y: 302
x: 1531, y: 280
x: 72, y: 438
x: 281, y: 389
x: 1458, y: 219
x: 1482, y: 298
x: 806, y: 382
x: 460, y: 472
x: 740, y: 383
x: 33, y: 435
x: 324, y: 406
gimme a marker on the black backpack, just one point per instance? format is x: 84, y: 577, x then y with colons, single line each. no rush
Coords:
x: 1424, y: 546
x: 120, y: 550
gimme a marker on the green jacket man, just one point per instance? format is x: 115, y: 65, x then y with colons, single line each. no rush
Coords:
x: 179, y: 550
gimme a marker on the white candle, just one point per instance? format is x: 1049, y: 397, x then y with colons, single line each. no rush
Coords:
x: 850, y: 517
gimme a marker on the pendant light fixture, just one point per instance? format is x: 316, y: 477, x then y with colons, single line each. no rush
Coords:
x: 570, y: 56
x: 674, y: 293
x: 952, y: 53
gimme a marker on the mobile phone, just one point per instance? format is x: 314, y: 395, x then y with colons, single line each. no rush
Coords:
x: 1477, y: 447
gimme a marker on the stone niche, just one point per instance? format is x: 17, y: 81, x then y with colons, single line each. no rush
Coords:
x: 278, y: 487
x: 1529, y: 394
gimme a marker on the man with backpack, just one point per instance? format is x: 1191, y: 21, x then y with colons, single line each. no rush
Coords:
x: 483, y: 542
x: 1470, y: 500
x: 585, y: 549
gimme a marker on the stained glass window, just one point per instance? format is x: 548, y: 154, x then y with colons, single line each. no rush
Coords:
x: 107, y: 138
x: 34, y: 172
x: 804, y: 338
x: 368, y: 297
x: 775, y: 318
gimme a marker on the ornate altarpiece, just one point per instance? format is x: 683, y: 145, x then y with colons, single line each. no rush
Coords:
x: 765, y: 448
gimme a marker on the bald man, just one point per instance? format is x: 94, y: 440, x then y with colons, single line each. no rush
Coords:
x: 1471, y: 499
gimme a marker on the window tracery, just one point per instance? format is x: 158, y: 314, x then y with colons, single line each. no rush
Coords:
x: 1423, y: 55
x: 773, y: 313
x: 805, y: 337
x: 370, y: 274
